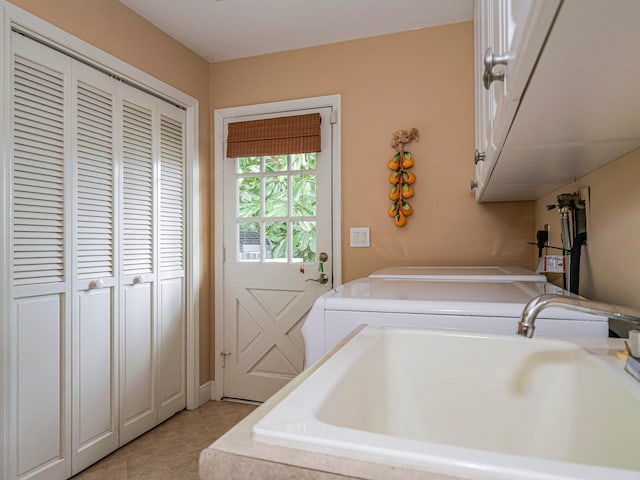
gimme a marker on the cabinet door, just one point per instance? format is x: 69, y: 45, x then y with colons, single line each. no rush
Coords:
x: 501, y: 101
x: 512, y: 32
x: 39, y: 438
x: 138, y: 365
x: 520, y: 28
x: 483, y: 26
x: 171, y: 316
x: 95, y: 367
x: 491, y: 39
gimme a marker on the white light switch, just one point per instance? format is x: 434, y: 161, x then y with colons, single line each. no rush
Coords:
x: 359, y: 237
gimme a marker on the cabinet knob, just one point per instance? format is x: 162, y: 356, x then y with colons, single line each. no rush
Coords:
x: 478, y: 157
x: 473, y: 185
x: 490, y: 61
x: 139, y: 279
x: 99, y: 283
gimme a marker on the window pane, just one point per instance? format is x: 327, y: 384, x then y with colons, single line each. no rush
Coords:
x: 248, y: 164
x: 276, y: 163
x: 248, y: 197
x: 304, y: 195
x: 249, y: 242
x: 276, y: 200
x: 276, y: 245
x: 303, y: 161
x: 304, y: 242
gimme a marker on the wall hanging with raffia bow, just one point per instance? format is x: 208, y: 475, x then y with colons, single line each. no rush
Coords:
x: 401, y: 178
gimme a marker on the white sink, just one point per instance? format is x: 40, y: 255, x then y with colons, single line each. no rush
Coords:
x: 474, y: 405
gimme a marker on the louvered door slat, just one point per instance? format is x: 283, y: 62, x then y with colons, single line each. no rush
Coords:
x: 38, y: 191
x: 38, y: 172
x: 94, y: 160
x: 34, y: 73
x: 34, y: 143
x: 138, y: 163
x: 137, y: 174
x: 34, y: 107
x: 31, y: 260
x: 48, y: 158
x: 85, y: 214
x: 95, y: 200
x: 95, y: 195
x: 171, y: 194
x: 30, y: 122
x: 34, y: 130
x: 140, y: 203
x: 46, y: 93
x: 29, y: 227
x: 39, y: 181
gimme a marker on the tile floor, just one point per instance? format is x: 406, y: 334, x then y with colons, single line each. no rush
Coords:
x: 171, y: 450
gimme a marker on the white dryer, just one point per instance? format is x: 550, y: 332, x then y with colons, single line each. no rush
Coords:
x: 488, y: 306
x: 473, y: 274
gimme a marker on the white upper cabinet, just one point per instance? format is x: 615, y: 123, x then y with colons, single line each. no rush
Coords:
x: 509, y: 37
x: 564, y: 97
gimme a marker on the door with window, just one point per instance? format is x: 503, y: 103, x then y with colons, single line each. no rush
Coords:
x: 277, y: 244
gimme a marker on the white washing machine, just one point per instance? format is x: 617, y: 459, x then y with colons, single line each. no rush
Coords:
x: 488, y: 306
x: 474, y: 274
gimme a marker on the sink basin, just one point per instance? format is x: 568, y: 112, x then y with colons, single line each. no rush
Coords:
x: 473, y: 405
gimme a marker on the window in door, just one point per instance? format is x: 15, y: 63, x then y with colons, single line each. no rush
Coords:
x: 276, y: 208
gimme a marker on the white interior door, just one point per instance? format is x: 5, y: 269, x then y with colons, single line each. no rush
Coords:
x: 278, y: 250
x: 94, y: 359
x: 172, y: 340
x: 96, y: 332
x: 40, y: 390
x: 138, y: 365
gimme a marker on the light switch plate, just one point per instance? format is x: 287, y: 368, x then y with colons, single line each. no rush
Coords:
x: 359, y: 237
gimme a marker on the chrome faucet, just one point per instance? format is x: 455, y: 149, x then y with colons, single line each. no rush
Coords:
x: 578, y: 304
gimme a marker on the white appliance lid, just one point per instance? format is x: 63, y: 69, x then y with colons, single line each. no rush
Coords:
x: 479, y: 274
x: 491, y: 299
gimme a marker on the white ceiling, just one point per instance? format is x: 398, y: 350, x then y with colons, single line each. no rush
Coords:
x: 226, y: 29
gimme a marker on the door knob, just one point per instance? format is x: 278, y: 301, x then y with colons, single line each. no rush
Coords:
x: 323, y: 257
x: 322, y: 279
x: 490, y: 61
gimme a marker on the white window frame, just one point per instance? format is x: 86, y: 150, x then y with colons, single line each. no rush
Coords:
x: 220, y: 117
x: 14, y: 17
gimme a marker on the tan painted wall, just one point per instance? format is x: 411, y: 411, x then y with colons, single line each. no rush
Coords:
x: 421, y: 79
x: 112, y: 27
x: 610, y: 262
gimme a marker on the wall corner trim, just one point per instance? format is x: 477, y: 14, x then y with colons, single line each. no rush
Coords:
x: 206, y: 392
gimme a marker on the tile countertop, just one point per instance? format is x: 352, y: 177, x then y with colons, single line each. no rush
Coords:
x: 236, y: 456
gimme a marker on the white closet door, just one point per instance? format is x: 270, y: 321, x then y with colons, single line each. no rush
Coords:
x: 95, y: 360
x: 171, y: 318
x: 138, y: 366
x: 40, y: 394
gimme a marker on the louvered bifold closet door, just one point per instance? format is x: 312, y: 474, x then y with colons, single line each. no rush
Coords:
x: 95, y: 360
x: 39, y: 438
x: 171, y: 315
x: 138, y: 364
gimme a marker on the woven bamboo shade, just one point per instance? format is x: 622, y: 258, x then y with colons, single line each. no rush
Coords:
x: 274, y: 136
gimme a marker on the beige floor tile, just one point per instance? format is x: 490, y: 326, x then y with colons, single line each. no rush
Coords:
x: 169, y: 451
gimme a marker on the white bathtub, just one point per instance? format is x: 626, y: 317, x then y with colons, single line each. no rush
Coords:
x: 475, y: 405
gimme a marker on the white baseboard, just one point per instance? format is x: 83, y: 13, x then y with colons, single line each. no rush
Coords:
x: 206, y: 392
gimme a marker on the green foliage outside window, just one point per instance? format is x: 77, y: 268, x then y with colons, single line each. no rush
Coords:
x: 303, y: 202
